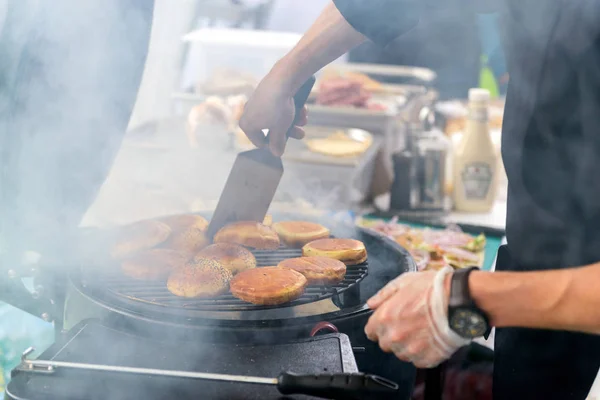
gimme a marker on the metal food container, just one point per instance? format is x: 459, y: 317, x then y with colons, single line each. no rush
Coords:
x: 396, y: 97
x: 332, y: 182
x: 157, y: 172
x: 404, y: 104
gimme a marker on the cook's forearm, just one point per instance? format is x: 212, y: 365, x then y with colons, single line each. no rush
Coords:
x: 567, y: 299
x: 328, y: 38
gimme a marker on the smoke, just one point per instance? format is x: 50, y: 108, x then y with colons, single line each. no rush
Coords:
x: 69, y: 76
x: 317, y: 190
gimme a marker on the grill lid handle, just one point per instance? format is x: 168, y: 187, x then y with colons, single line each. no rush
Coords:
x: 337, y: 386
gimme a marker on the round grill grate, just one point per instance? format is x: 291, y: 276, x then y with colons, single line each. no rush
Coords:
x: 156, y: 293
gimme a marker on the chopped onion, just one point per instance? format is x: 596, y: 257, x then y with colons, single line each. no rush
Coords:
x: 449, y: 243
x: 421, y: 258
x: 460, y: 254
x: 454, y: 228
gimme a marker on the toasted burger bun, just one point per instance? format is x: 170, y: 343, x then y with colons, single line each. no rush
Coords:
x: 317, y: 270
x: 232, y: 257
x: 139, y: 236
x: 268, y: 221
x: 348, y: 251
x: 183, y: 221
x: 298, y: 233
x: 188, y: 233
x: 153, y: 264
x: 249, y: 234
x: 268, y: 285
x: 190, y: 240
x: 202, y: 278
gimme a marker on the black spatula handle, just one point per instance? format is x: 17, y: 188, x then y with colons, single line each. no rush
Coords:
x: 301, y: 97
x: 337, y: 386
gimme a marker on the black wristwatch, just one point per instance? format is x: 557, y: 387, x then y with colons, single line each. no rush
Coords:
x: 464, y: 317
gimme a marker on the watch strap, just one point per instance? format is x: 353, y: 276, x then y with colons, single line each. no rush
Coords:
x: 460, y: 294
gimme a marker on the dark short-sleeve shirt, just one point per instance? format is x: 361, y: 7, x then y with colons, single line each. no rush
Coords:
x: 551, y: 131
x: 381, y: 21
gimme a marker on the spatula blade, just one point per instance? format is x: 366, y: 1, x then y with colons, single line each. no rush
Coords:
x: 253, y: 181
x: 249, y: 189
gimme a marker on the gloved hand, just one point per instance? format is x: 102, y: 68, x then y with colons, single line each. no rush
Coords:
x: 410, y: 319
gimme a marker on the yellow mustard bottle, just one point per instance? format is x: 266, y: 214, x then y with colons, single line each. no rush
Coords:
x: 475, y: 159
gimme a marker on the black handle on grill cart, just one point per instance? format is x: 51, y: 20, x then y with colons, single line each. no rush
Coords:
x: 337, y: 386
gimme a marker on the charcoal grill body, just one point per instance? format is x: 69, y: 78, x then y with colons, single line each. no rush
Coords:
x: 259, y: 326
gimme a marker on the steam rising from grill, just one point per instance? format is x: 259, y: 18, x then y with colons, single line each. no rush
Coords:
x: 71, y: 71
x: 74, y: 72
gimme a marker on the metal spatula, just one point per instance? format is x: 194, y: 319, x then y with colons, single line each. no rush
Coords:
x: 253, y: 181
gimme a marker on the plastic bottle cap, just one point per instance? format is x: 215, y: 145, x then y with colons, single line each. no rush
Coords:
x: 479, y: 95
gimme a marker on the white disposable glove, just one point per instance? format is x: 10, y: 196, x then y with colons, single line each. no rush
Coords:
x: 411, y: 318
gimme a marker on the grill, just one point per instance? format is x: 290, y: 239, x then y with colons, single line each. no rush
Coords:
x: 149, y: 315
x: 156, y: 293
x: 150, y: 309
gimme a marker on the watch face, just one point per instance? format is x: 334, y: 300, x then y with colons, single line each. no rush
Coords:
x: 468, y: 323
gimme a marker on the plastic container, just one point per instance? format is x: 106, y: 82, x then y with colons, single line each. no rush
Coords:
x: 475, y: 159
x: 252, y: 52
